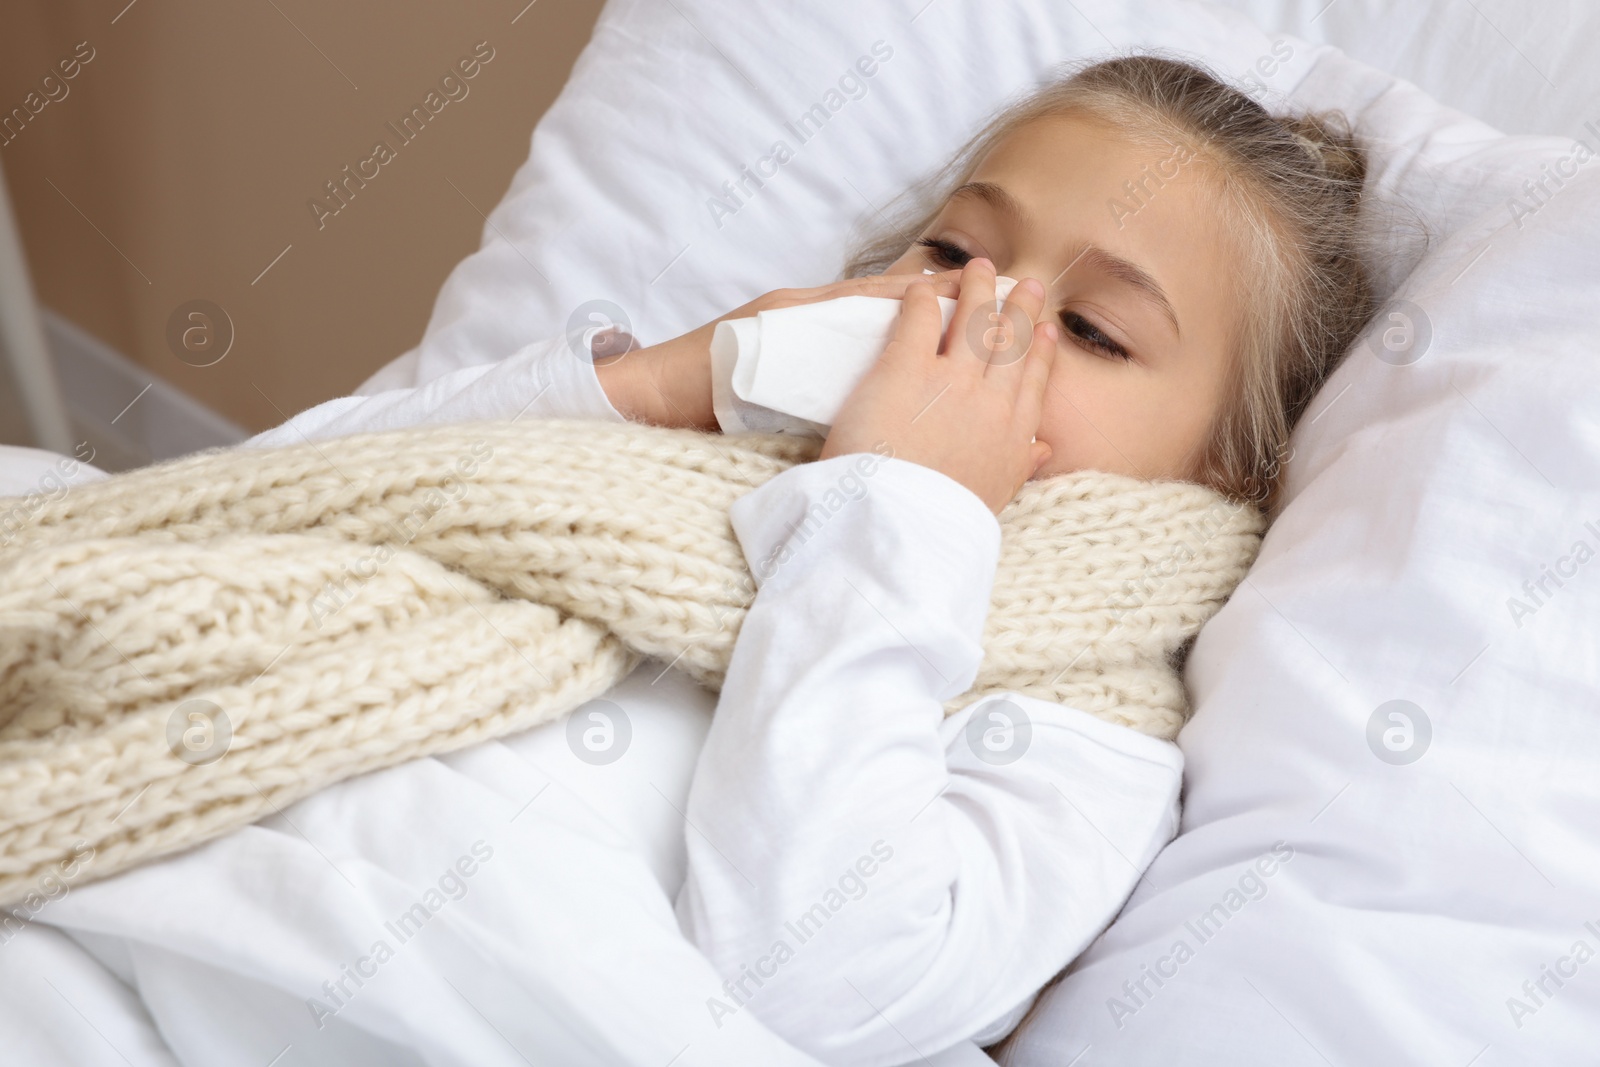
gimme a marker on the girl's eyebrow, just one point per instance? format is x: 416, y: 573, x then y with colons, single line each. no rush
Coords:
x: 1095, y: 257
x: 1123, y: 270
x: 997, y: 198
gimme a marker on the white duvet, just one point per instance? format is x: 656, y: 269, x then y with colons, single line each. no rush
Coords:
x: 837, y: 872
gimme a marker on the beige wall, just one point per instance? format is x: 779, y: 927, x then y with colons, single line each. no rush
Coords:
x: 182, y: 157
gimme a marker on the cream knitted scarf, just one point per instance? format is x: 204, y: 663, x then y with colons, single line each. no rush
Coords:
x: 189, y: 647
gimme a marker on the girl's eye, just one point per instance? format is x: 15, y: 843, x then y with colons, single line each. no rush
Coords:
x: 954, y: 257
x: 1090, y: 336
x: 944, y: 254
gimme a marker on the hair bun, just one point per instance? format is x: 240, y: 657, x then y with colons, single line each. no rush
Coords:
x: 1328, y: 139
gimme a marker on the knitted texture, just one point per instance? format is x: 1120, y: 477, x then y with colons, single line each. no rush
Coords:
x: 357, y: 603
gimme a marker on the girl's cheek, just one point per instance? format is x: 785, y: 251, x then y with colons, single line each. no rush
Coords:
x: 1077, y: 415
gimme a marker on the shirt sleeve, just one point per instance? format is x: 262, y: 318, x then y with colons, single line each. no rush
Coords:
x: 876, y: 881
x: 546, y: 379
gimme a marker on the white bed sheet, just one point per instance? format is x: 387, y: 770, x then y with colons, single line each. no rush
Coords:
x: 302, y: 897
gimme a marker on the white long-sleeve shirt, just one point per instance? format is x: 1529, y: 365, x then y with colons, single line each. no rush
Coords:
x: 829, y: 754
x: 872, y: 881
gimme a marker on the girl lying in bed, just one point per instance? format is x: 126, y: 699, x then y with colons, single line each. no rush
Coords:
x: 868, y: 880
x: 1189, y: 264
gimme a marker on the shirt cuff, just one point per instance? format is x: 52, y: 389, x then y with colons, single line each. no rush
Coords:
x: 574, y: 385
x: 900, y: 522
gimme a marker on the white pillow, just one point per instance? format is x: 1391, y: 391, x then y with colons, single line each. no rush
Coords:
x: 1383, y: 701
x: 1521, y: 67
x: 1416, y: 898
x: 630, y: 202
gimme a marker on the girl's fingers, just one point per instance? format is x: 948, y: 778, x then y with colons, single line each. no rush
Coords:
x: 893, y: 285
x: 972, y: 321
x: 916, y: 331
x: 1039, y: 454
x: 1035, y: 376
x: 1012, y: 332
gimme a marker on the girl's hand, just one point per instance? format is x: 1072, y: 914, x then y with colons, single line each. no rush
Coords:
x: 971, y: 411
x: 669, y: 384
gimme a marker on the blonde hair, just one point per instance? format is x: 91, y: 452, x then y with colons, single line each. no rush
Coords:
x: 1291, y: 187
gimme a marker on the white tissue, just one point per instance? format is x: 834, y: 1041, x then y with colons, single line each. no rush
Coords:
x: 790, y: 370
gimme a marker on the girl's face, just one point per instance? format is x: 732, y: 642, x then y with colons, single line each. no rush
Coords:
x: 1140, y: 282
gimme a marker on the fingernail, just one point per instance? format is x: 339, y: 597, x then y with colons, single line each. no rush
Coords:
x: 1051, y: 332
x: 1032, y: 286
x: 983, y: 261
